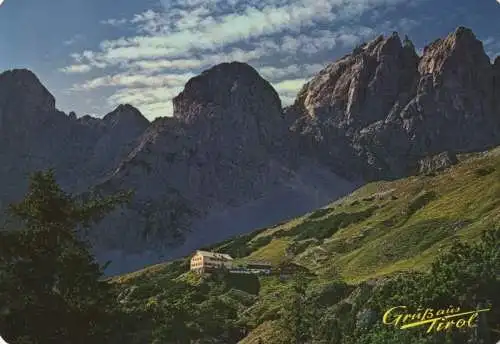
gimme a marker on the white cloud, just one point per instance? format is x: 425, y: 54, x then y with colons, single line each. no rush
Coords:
x: 73, y: 40
x: 152, y: 94
x: 278, y: 73
x: 236, y: 54
x: 153, y: 102
x: 403, y: 25
x: 179, y: 32
x: 136, y: 80
x: 319, y: 40
x: 76, y: 69
x: 407, y: 24
x: 488, y: 41
x: 147, y: 16
x: 172, y: 45
x: 114, y: 22
x: 290, y: 86
x: 77, y: 57
x: 293, y: 70
x: 492, y: 47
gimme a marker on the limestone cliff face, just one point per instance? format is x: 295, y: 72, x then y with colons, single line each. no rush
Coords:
x: 362, y: 88
x: 453, y: 108
x: 382, y: 108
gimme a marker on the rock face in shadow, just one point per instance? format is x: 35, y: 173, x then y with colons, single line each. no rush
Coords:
x: 34, y: 135
x: 231, y: 159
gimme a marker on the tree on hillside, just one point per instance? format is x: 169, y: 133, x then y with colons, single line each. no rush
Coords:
x: 51, y: 288
x: 296, y: 317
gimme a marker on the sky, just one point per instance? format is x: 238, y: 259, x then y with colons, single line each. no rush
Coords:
x: 93, y: 55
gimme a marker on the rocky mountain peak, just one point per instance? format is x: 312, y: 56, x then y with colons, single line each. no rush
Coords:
x: 389, y: 46
x: 457, y: 82
x: 462, y: 33
x: 231, y: 102
x: 126, y: 114
x: 408, y: 43
x: 381, y: 45
x: 21, y: 91
x: 235, y: 85
x: 363, y: 85
x: 459, y: 50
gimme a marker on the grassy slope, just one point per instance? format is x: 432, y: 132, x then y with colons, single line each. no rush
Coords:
x: 388, y: 226
x: 379, y: 229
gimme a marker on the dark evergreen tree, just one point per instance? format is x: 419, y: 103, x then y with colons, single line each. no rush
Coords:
x: 51, y: 288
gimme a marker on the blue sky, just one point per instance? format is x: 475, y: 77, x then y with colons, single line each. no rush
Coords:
x: 96, y: 54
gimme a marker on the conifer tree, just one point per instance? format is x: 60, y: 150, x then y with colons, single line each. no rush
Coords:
x: 51, y: 288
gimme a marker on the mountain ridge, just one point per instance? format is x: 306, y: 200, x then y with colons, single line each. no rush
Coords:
x: 381, y: 112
